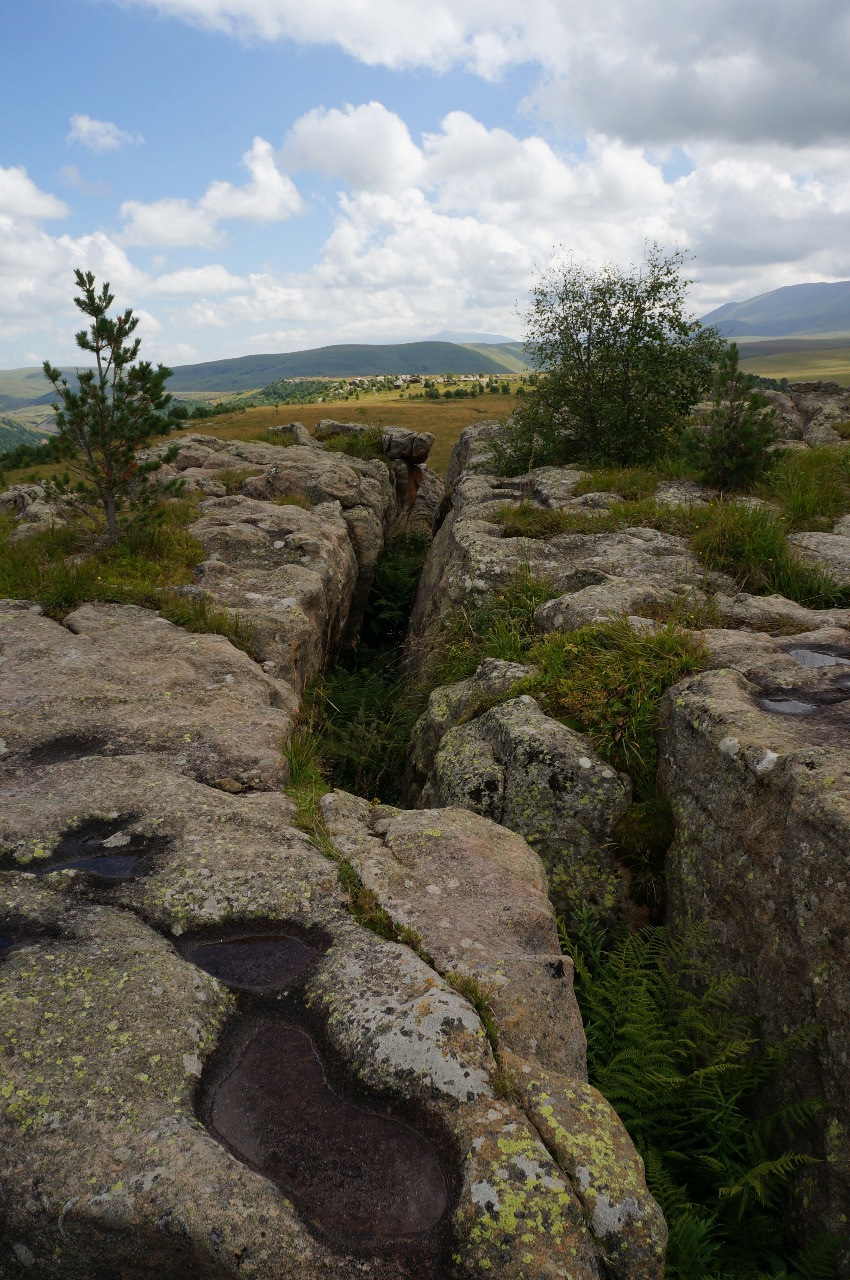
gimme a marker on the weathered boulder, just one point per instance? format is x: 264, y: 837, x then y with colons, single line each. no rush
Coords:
x: 774, y: 615
x: 756, y: 771
x: 118, y: 680
x: 477, y: 897
x: 290, y: 574
x: 127, y: 1176
x: 28, y: 504
x: 829, y: 551
x: 532, y: 774
x: 587, y: 1138
x: 450, y: 704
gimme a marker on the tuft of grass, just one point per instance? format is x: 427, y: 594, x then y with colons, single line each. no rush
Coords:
x: 200, y: 614
x: 500, y: 625
x: 631, y: 483
x: 307, y: 783
x: 146, y: 568
x: 526, y: 520
x: 366, y: 444
x: 479, y: 997
x: 607, y: 681
x: 284, y: 438
x: 687, y: 609
x: 749, y: 543
x: 232, y: 477
x: 294, y: 500
x: 811, y: 486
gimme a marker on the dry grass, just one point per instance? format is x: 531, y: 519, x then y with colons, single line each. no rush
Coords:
x: 445, y: 418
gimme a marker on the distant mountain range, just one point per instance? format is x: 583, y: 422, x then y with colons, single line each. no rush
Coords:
x: 794, y: 311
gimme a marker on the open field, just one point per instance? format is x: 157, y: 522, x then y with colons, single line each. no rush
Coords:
x: 445, y: 418
x: 798, y: 359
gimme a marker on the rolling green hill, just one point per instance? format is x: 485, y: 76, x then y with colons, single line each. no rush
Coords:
x: 347, y: 360
x: 20, y: 388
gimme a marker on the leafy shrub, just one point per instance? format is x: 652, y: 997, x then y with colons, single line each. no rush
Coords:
x: 687, y: 1075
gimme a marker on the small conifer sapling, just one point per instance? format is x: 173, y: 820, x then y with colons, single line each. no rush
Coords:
x: 117, y: 410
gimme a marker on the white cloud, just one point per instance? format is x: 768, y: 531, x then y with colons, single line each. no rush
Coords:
x: 444, y: 231
x: 636, y: 69
x: 368, y: 146
x: 100, y: 135
x: 269, y: 196
x: 21, y: 198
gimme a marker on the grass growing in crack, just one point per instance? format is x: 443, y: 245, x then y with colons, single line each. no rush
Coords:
x: 750, y: 544
x: 232, y: 477
x: 364, y: 708
x: 812, y: 487
x: 501, y: 625
x: 307, y: 783
x: 688, y: 1075
x: 479, y: 997
x: 631, y: 483
x: 607, y: 681
x: 294, y: 500
x: 526, y: 520
x: 747, y: 542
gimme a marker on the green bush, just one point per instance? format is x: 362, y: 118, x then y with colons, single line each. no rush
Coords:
x: 730, y: 446
x: 689, y: 1079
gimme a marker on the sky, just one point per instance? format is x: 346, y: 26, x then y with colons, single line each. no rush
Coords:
x: 269, y: 175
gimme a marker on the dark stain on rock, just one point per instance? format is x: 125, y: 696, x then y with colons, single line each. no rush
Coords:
x: 103, y: 848
x: 69, y: 746
x: 357, y: 1173
x: 20, y: 933
x: 258, y: 958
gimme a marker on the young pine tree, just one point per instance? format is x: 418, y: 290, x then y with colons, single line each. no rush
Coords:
x: 730, y: 448
x: 116, y: 411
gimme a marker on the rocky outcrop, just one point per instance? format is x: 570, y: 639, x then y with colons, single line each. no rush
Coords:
x: 532, y: 774
x: 754, y: 762
x: 117, y: 680
x: 591, y: 576
x: 426, y: 868
x: 119, y: 864
x: 810, y: 411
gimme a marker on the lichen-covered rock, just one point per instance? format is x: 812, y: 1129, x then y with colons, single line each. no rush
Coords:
x: 532, y: 774
x: 477, y: 895
x: 756, y: 771
x: 450, y: 704
x: 586, y: 1137
x: 829, y: 551
x: 117, y: 679
x: 290, y: 574
x: 774, y: 615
